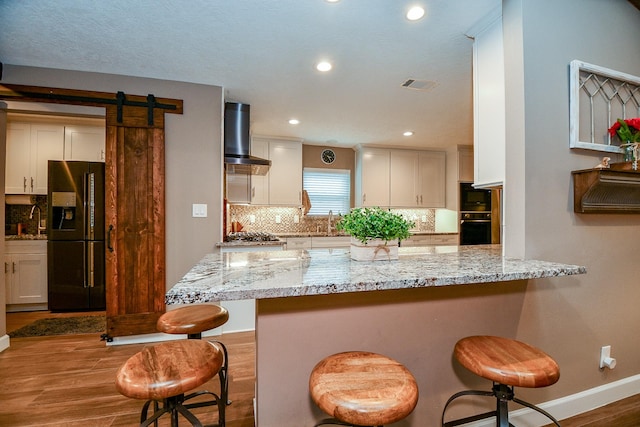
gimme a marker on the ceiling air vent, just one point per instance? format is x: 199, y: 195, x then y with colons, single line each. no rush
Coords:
x: 418, y: 84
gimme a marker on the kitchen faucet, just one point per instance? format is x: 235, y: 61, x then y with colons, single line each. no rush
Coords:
x: 329, y: 219
x: 39, y: 228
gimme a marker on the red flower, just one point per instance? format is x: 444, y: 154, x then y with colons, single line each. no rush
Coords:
x: 628, y: 130
x: 613, y: 129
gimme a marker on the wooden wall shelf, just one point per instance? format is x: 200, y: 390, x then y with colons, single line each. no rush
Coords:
x: 606, y: 191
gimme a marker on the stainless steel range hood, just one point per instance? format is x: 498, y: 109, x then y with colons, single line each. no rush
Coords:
x: 237, y: 142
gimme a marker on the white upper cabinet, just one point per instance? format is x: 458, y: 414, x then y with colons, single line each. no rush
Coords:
x: 29, y: 148
x: 432, y: 179
x: 404, y: 178
x: 84, y: 143
x: 465, y: 164
x: 400, y: 178
x: 282, y: 185
x: 489, y: 102
x: 372, y: 177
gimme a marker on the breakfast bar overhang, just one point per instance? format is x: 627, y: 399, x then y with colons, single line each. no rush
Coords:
x: 313, y: 303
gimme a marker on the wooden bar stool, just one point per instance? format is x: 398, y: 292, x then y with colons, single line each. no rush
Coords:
x: 362, y: 389
x: 164, y: 373
x: 193, y: 320
x: 508, y: 363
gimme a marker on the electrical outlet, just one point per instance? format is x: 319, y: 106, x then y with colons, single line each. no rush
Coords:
x: 252, y: 219
x: 278, y: 219
x: 296, y: 219
x: 424, y: 218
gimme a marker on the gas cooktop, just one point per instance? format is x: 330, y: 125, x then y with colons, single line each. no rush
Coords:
x: 251, y: 236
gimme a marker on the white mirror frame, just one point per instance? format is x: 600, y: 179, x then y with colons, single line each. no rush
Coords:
x: 614, y: 79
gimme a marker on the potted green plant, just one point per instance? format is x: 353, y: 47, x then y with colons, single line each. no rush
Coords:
x: 375, y: 233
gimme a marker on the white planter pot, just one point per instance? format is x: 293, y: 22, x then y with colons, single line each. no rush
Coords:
x: 374, y: 250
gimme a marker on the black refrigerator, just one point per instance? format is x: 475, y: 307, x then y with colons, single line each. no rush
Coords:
x: 75, y: 231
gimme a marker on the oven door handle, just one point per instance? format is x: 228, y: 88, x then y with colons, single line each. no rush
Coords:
x: 474, y: 220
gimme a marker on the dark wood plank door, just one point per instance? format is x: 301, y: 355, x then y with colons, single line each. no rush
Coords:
x: 135, y: 269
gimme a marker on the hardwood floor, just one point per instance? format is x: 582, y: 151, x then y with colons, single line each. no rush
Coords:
x: 69, y: 381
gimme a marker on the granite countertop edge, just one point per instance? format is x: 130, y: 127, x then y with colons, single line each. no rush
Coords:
x: 262, y: 275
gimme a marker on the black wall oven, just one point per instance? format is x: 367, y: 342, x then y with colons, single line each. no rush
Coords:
x: 475, y: 228
x: 475, y: 215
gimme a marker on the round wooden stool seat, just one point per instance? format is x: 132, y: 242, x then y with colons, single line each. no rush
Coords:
x: 362, y: 388
x: 192, y: 319
x: 168, y: 369
x: 507, y: 361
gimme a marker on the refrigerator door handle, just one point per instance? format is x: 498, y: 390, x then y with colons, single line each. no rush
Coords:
x: 90, y: 204
x: 91, y: 265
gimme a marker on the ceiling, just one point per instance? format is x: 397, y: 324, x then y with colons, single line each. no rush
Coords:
x: 263, y: 53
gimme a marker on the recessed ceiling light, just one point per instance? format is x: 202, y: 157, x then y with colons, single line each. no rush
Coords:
x: 333, y: 1
x: 323, y: 66
x: 294, y: 121
x: 408, y: 133
x: 415, y: 13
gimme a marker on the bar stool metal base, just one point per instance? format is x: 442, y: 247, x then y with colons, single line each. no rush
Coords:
x: 503, y: 394
x: 221, y: 401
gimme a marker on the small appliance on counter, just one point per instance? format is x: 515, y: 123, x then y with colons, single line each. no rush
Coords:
x: 76, y: 232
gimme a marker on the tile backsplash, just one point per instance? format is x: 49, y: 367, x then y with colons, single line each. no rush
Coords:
x: 265, y: 219
x: 15, y: 214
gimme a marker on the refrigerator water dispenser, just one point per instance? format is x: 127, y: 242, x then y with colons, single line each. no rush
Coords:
x: 63, y: 205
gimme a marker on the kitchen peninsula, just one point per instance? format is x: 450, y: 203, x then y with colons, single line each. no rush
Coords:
x: 314, y: 303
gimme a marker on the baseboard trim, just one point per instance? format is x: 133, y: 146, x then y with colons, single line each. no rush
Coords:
x: 4, y: 342
x: 572, y: 405
x: 158, y: 337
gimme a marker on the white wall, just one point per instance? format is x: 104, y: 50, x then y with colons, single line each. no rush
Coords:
x: 571, y: 320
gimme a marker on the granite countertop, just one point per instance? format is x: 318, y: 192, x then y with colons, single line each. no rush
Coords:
x: 248, y: 243
x: 324, y: 234
x: 248, y: 275
x: 14, y: 237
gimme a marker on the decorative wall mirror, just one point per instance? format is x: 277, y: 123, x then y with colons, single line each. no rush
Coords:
x: 599, y: 96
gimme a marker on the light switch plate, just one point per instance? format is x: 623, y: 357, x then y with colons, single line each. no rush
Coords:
x: 199, y: 210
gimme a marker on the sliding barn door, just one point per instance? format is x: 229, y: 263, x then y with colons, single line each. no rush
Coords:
x: 135, y: 207
x: 134, y: 193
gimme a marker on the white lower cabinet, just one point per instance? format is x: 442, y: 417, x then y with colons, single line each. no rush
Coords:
x: 25, y: 270
x: 430, y: 240
x: 331, y: 242
x: 298, y: 243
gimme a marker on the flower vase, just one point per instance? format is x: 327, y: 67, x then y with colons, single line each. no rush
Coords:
x: 630, y: 154
x: 374, y: 250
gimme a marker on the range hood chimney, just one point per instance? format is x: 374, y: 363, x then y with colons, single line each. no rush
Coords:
x: 237, y: 142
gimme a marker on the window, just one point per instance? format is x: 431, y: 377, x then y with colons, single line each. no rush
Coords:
x: 328, y: 189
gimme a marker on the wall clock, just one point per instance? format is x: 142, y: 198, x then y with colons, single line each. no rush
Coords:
x: 328, y: 156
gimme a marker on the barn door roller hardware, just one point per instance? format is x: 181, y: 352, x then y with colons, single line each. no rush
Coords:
x: 97, y: 99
